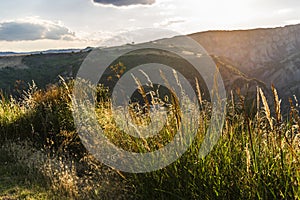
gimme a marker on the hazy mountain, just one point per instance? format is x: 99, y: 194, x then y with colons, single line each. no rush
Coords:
x: 270, y: 55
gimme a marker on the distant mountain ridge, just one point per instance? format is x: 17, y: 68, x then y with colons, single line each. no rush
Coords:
x: 250, y: 49
x: 50, y: 51
x: 271, y: 55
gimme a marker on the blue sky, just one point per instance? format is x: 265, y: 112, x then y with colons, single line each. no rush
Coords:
x: 43, y: 24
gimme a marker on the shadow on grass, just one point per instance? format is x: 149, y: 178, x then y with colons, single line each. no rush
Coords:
x: 20, y: 182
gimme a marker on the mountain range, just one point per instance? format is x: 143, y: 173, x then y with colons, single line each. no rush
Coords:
x: 246, y: 59
x: 271, y: 55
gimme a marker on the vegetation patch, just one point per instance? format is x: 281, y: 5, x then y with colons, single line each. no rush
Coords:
x: 257, y: 157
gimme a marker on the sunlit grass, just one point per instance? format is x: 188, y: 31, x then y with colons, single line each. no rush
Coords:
x: 256, y: 157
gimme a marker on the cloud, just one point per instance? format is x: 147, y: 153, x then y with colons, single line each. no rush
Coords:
x: 292, y: 21
x: 27, y: 30
x: 284, y: 11
x: 169, y: 22
x: 125, y: 2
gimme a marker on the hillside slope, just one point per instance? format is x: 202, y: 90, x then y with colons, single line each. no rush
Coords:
x: 270, y: 55
x: 246, y: 58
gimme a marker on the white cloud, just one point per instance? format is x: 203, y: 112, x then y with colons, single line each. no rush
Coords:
x: 284, y: 11
x: 169, y: 22
x: 34, y: 29
x: 293, y: 21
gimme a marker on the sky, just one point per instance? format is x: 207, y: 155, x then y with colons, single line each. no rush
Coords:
x: 31, y: 25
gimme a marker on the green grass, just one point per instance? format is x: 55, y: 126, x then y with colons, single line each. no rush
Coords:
x: 42, y: 156
x: 19, y: 182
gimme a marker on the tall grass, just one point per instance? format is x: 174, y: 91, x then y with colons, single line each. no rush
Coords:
x: 252, y: 160
x: 256, y: 157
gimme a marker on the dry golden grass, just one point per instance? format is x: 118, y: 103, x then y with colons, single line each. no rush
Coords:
x: 254, y: 158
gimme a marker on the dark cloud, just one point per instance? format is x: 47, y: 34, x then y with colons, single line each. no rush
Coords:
x: 125, y: 2
x: 17, y: 31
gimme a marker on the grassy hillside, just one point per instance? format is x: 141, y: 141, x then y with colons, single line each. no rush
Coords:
x: 256, y: 157
x: 17, y: 71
